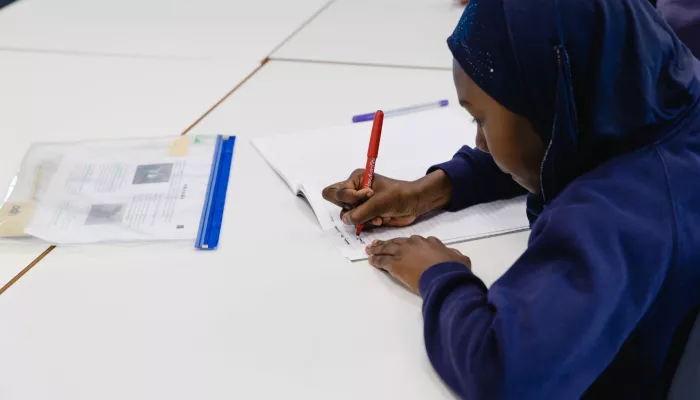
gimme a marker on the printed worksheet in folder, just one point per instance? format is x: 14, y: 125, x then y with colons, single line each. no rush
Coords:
x: 170, y: 188
x: 309, y: 161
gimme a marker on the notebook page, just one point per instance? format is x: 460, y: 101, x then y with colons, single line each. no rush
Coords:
x: 409, y: 146
x: 269, y: 153
x: 475, y: 222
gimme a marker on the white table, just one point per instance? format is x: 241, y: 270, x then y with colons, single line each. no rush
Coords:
x: 288, y: 96
x: 390, y: 32
x: 276, y: 312
x: 208, y: 29
x: 50, y: 97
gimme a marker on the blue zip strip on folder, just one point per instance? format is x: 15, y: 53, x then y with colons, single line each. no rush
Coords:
x: 213, y: 211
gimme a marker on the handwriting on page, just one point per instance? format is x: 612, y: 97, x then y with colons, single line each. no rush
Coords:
x: 495, y: 218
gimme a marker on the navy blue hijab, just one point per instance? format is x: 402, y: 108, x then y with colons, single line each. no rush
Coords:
x: 596, y: 78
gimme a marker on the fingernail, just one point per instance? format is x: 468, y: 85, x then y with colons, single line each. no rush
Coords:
x: 370, y: 194
x: 346, y: 219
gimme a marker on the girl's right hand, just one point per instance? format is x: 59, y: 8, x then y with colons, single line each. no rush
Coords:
x: 389, y: 202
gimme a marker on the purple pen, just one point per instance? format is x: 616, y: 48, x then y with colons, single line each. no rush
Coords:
x: 399, y: 111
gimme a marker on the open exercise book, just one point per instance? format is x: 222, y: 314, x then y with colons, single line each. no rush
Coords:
x: 309, y: 161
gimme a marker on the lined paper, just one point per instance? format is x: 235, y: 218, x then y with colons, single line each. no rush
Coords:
x: 309, y: 161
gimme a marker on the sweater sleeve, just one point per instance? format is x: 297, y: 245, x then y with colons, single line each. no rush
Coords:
x: 550, y: 326
x: 476, y: 179
x: 684, y: 17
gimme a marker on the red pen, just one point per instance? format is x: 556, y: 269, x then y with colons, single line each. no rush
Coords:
x: 372, y: 154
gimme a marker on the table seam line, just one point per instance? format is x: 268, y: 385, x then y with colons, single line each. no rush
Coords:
x: 226, y: 96
x: 358, y: 64
x: 26, y: 269
x: 301, y: 27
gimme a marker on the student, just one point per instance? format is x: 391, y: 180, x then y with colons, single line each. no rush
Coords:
x: 592, y: 106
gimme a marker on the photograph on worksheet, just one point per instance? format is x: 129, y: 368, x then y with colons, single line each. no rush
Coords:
x: 152, y: 173
x: 119, y: 191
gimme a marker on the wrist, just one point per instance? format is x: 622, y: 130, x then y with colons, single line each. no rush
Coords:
x: 433, y: 192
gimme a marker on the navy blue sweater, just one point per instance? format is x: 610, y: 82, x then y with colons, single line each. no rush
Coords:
x: 600, y: 303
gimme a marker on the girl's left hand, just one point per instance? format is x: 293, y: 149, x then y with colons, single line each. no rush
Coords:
x: 407, y: 258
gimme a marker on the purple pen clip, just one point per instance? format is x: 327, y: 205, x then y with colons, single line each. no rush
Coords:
x: 363, y: 117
